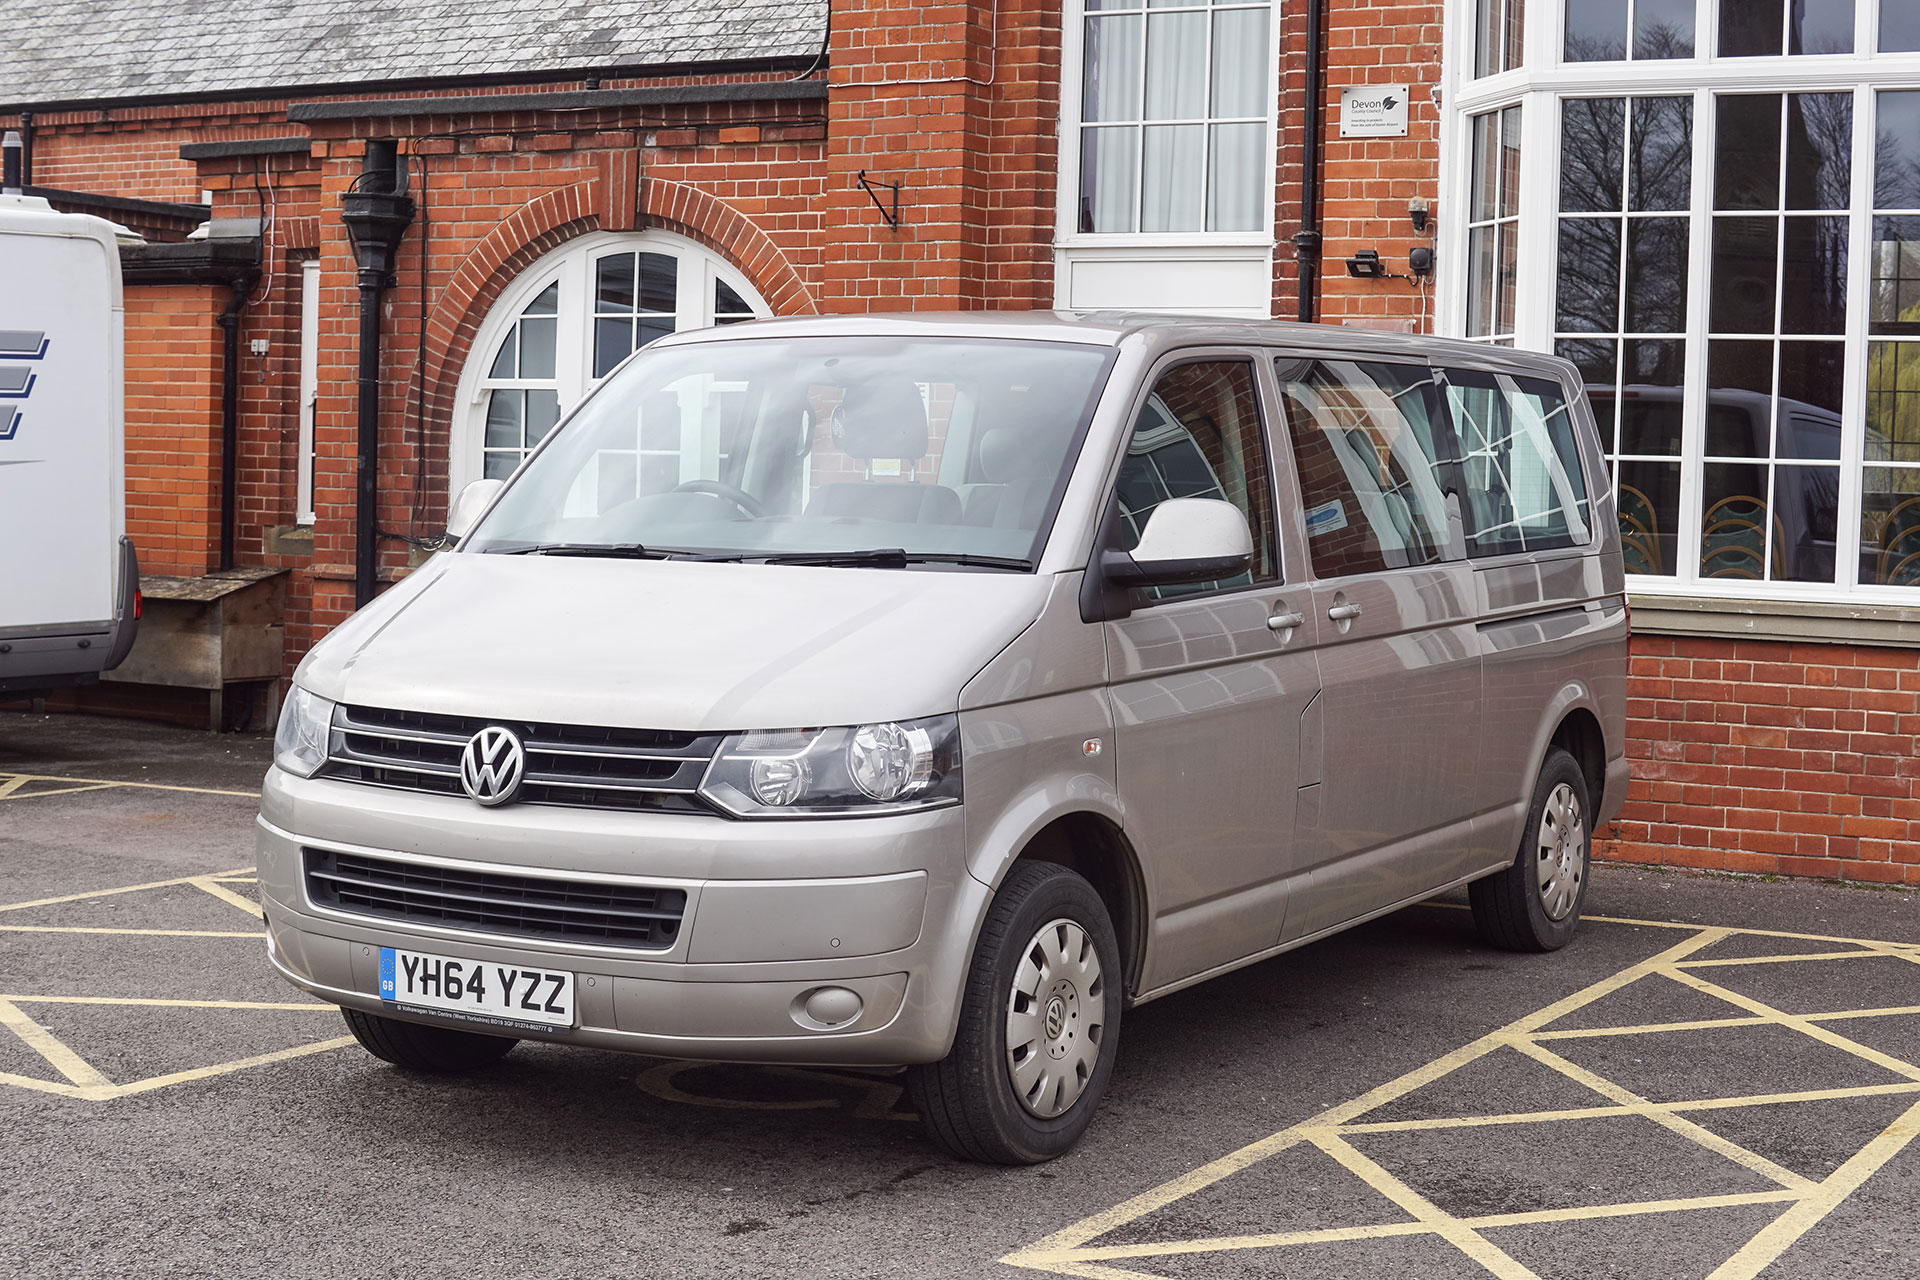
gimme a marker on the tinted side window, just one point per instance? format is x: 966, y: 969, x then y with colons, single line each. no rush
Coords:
x: 1199, y: 436
x: 1525, y: 490
x: 1373, y: 451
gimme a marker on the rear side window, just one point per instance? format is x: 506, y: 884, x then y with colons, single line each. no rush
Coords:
x: 1524, y: 487
x: 1371, y: 445
x: 1199, y: 436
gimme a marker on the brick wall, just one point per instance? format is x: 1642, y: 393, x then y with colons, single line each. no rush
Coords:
x: 1367, y: 182
x: 173, y: 426
x: 1769, y: 758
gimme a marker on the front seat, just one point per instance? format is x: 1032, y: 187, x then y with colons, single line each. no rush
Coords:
x: 885, y: 420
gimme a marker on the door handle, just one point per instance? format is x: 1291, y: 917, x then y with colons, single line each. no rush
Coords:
x: 1286, y: 621
x: 1342, y: 612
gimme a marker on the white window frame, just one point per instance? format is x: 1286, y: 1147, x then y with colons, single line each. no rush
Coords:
x: 309, y: 388
x: 1156, y: 253
x: 1538, y: 85
x: 571, y: 265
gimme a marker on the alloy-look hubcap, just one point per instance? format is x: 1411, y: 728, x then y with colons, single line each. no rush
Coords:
x: 1562, y: 852
x: 1056, y: 1017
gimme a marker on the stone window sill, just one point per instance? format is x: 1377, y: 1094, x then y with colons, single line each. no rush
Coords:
x: 1887, y: 626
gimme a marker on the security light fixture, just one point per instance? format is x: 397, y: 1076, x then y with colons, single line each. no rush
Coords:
x: 1366, y: 265
x: 1417, y: 210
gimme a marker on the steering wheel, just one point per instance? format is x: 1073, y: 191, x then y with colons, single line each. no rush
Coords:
x: 721, y: 489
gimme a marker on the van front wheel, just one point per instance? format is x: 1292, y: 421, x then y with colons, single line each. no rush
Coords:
x: 1534, y: 905
x: 1039, y: 1025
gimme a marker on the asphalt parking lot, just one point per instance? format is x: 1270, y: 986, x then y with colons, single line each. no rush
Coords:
x: 1719, y: 1078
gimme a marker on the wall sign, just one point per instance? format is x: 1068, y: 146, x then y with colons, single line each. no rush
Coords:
x: 1374, y: 111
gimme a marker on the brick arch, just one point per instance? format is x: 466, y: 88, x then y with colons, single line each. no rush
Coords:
x: 519, y: 240
x: 679, y: 207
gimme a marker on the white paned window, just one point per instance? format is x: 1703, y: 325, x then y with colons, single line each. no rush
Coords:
x: 1494, y: 226
x: 309, y: 387
x: 1722, y: 232
x: 568, y: 322
x: 1175, y: 117
x: 1499, y: 31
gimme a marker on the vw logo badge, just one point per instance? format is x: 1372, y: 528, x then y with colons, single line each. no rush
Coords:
x: 492, y: 765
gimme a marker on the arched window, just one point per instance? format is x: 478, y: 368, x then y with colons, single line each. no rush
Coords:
x: 567, y: 322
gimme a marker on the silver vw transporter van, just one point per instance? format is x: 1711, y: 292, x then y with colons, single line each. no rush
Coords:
x: 929, y: 690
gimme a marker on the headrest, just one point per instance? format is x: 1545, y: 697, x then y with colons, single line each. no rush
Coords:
x: 881, y: 420
x: 1004, y: 454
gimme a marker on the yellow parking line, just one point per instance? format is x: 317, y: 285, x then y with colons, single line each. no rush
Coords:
x: 143, y: 933
x: 1803, y: 1025
x: 1598, y: 1113
x: 224, y: 1068
x: 17, y: 794
x: 1637, y: 1105
x: 107, y: 893
x: 10, y: 783
x: 172, y: 1004
x: 47, y: 1045
x: 1773, y: 1240
x: 1862, y: 954
x: 51, y: 1086
x: 229, y: 897
x: 91, y: 784
x: 1436, y: 1219
x: 1382, y: 1230
x: 1714, y: 1024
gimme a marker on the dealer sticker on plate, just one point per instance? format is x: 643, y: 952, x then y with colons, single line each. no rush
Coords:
x: 500, y: 995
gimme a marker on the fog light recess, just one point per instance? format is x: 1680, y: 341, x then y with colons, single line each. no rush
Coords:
x: 826, y: 1008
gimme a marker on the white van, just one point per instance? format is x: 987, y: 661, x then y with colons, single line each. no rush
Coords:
x: 69, y: 580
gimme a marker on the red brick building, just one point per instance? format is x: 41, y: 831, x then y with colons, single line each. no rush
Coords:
x: 1598, y: 177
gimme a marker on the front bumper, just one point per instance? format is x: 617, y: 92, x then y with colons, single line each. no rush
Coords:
x: 881, y: 906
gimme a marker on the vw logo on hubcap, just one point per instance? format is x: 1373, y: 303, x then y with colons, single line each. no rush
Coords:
x: 1056, y: 1017
x: 492, y: 765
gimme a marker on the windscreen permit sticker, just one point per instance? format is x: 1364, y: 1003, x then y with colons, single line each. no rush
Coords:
x: 1325, y: 518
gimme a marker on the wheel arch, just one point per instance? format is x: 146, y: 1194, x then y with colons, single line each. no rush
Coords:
x: 1579, y: 734
x: 1093, y: 846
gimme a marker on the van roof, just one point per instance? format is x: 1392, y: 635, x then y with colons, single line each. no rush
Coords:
x: 1112, y: 328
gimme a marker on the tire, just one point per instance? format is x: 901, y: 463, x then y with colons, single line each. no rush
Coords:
x: 440, y: 1050
x: 1535, y: 904
x: 969, y: 1100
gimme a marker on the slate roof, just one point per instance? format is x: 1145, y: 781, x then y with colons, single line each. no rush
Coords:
x: 105, y: 50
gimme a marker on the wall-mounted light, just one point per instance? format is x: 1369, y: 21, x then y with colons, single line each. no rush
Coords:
x: 1366, y: 265
x: 1417, y: 211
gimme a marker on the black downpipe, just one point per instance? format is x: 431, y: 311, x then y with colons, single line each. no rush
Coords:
x: 26, y: 148
x: 230, y: 411
x: 377, y: 211
x: 1307, y: 243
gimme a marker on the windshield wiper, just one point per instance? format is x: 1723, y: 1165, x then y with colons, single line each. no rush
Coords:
x: 610, y: 550
x: 894, y: 558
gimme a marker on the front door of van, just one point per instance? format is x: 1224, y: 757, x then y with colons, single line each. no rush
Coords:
x: 1209, y: 683
x: 1399, y: 659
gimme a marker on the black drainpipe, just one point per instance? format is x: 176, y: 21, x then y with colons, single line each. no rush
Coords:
x: 377, y: 211
x: 26, y: 148
x: 241, y: 285
x: 1307, y: 243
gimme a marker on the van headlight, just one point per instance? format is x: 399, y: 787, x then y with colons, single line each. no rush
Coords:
x: 300, y: 742
x: 853, y: 771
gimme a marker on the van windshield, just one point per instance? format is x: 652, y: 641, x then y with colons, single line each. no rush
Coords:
x: 837, y: 450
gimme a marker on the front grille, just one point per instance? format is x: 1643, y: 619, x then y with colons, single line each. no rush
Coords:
x: 596, y: 911
x: 576, y: 765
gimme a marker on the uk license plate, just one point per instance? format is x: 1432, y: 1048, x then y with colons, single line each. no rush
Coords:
x: 501, y: 995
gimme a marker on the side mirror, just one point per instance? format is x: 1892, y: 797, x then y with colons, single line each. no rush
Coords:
x: 467, y: 508
x: 1186, y: 540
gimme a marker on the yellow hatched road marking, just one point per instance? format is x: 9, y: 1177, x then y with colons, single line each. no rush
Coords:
x: 10, y: 789
x: 107, y: 893
x: 1639, y: 1106
x: 47, y: 1045
x: 1068, y: 1252
x: 224, y: 1068
x: 1805, y: 1026
x: 229, y: 897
